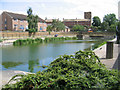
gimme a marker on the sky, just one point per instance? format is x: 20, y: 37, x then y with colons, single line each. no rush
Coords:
x: 67, y: 9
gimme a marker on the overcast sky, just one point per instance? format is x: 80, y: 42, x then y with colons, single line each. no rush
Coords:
x: 68, y: 9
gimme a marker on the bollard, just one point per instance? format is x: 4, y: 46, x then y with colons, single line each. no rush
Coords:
x: 109, y: 50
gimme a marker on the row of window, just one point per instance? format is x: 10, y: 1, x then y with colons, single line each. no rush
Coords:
x: 22, y: 27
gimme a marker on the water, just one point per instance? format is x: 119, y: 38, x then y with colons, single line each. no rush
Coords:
x: 29, y: 58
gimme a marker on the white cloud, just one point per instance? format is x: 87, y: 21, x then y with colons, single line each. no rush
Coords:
x: 70, y: 8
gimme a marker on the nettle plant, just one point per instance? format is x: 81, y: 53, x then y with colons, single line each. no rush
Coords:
x: 83, y: 70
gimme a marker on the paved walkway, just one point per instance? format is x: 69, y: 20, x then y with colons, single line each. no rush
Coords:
x: 113, y: 63
x: 6, y: 75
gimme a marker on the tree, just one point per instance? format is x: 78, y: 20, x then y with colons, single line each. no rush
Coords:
x: 110, y: 18
x: 96, y: 21
x: 78, y: 28
x: 32, y: 22
x: 49, y: 28
x: 57, y: 25
x: 104, y: 26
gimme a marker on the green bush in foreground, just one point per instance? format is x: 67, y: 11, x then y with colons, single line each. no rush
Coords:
x: 80, y: 71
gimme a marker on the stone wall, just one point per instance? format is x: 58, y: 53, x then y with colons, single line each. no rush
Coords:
x: 16, y: 35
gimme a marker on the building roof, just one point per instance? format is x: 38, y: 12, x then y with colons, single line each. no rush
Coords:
x: 76, y: 20
x: 19, y: 16
x: 51, y: 20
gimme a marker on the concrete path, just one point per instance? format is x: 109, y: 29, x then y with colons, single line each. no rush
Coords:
x: 6, y: 75
x: 113, y: 63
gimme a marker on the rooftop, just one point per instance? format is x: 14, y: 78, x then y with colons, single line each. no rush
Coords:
x: 19, y: 16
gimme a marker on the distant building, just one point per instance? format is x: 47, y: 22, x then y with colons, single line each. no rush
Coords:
x: 17, y: 22
x: 119, y: 10
x: 85, y: 22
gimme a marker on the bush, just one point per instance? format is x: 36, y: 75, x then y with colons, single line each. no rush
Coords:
x: 39, y: 40
x: 80, y: 71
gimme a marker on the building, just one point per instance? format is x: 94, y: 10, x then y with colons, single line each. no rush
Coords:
x: 85, y: 22
x: 18, y: 22
x: 119, y: 10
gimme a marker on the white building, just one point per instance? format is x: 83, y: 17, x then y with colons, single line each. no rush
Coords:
x: 119, y: 10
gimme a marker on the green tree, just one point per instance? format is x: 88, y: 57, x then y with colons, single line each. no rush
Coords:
x: 96, y: 21
x: 78, y: 28
x: 57, y: 25
x: 112, y: 28
x: 104, y: 26
x: 49, y: 28
x: 110, y: 18
x: 32, y: 22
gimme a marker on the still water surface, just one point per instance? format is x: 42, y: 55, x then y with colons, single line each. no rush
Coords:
x: 28, y: 58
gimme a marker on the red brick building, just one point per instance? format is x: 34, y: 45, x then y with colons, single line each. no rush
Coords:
x: 85, y: 22
x: 18, y: 22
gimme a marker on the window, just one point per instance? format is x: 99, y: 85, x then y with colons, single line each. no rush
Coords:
x: 26, y: 27
x: 21, y: 27
x: 15, y: 19
x: 44, y: 27
x: 21, y: 20
x: 5, y: 21
x: 15, y: 25
x: 5, y: 28
x: 41, y: 28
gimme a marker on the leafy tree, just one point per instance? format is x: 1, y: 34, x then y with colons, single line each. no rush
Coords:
x: 110, y: 18
x: 78, y: 28
x: 104, y: 26
x: 112, y: 28
x: 96, y: 21
x: 49, y: 28
x: 32, y: 22
x: 57, y: 25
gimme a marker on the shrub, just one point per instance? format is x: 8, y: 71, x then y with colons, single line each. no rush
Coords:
x: 80, y: 71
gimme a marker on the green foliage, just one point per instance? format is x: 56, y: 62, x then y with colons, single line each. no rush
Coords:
x: 27, y: 41
x: 104, y: 26
x: 96, y: 21
x: 32, y: 21
x: 83, y: 70
x: 98, y: 45
x: 57, y: 25
x: 78, y: 28
x: 110, y: 18
x: 1, y: 40
x: 49, y: 28
x: 39, y: 40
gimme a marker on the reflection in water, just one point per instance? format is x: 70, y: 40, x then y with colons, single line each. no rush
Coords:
x: 27, y: 58
x: 11, y: 64
x: 32, y: 64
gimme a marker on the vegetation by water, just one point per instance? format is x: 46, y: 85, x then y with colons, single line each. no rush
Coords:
x: 83, y: 70
x: 1, y: 40
x: 39, y: 40
x: 98, y: 45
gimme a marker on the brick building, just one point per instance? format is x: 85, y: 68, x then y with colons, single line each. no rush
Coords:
x: 17, y: 22
x: 85, y: 22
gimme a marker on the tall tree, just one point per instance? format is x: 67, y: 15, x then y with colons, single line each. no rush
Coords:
x: 110, y: 18
x: 32, y: 22
x: 96, y: 21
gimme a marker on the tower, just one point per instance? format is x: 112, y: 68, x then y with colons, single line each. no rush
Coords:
x: 87, y: 15
x: 119, y: 10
